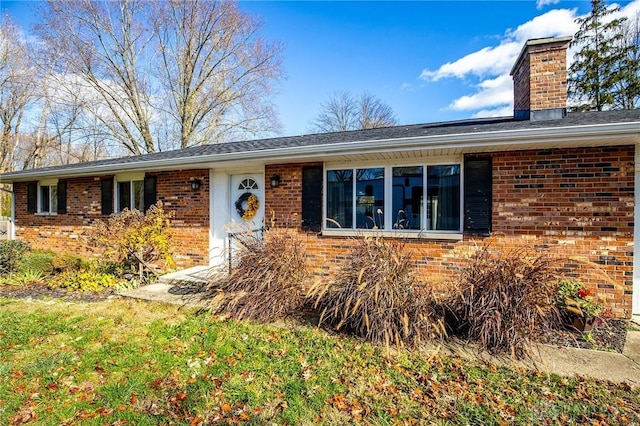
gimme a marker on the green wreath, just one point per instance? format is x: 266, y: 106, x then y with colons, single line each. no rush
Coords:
x: 253, y: 204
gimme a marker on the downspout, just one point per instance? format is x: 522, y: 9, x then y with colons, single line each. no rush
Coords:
x: 635, y: 293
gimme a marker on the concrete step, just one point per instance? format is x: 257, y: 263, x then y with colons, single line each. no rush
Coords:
x: 190, y: 276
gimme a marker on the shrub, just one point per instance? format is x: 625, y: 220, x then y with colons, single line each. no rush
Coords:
x: 574, y: 298
x: 27, y: 277
x: 506, y: 299
x: 68, y: 262
x: 11, y: 253
x: 375, y: 296
x: 135, y: 238
x: 84, y: 280
x: 265, y: 282
x: 38, y: 262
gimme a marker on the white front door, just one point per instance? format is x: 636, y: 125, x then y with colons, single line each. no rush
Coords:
x: 247, y: 200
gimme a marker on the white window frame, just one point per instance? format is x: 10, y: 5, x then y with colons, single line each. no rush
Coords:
x: 52, y: 184
x: 388, y: 199
x: 127, y: 178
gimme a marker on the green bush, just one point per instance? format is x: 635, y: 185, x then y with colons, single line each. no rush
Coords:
x: 27, y: 277
x: 38, y: 262
x: 11, y: 253
x: 376, y: 296
x: 84, y: 280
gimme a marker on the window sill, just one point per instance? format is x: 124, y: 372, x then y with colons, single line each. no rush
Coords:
x: 450, y: 236
x: 46, y: 214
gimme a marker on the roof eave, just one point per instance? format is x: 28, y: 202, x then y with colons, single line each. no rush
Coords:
x: 518, y: 138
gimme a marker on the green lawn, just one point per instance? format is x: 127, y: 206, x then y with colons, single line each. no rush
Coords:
x: 127, y: 362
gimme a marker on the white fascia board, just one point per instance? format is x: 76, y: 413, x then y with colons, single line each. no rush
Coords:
x: 496, y: 139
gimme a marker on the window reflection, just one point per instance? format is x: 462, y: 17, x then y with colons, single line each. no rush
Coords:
x: 370, y: 201
x: 339, y: 199
x: 407, y: 197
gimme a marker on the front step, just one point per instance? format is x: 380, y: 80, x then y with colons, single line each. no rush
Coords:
x: 197, y: 275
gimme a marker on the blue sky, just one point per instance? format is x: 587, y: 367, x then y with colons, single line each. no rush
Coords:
x: 429, y: 60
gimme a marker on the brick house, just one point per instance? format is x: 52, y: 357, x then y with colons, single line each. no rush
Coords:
x: 557, y: 181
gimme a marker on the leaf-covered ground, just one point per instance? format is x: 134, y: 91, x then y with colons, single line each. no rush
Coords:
x: 119, y: 361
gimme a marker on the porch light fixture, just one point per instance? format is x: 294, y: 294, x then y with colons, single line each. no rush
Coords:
x: 195, y: 184
x: 275, y: 181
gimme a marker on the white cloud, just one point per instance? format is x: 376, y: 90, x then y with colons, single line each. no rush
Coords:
x: 554, y: 23
x: 497, y: 91
x: 631, y: 9
x: 406, y: 87
x: 504, y: 111
x: 493, y: 61
x: 487, y: 61
x: 490, y: 66
x: 542, y: 3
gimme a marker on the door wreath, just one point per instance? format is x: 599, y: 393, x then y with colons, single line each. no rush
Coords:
x: 253, y: 204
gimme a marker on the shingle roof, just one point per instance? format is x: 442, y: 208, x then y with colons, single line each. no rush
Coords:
x: 466, y: 127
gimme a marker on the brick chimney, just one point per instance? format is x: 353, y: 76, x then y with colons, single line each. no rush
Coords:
x: 540, y: 80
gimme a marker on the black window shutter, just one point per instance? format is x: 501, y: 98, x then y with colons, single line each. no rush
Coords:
x: 312, y: 198
x: 62, y: 197
x: 478, y: 179
x: 149, y: 191
x: 32, y: 197
x: 106, y: 186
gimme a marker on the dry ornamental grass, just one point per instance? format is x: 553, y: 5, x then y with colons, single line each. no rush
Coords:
x: 266, y: 281
x: 506, y: 299
x: 375, y: 296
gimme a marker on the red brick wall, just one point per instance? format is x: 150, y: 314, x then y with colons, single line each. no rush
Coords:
x: 65, y: 232
x: 522, y: 86
x: 283, y: 205
x: 191, y: 220
x: 569, y: 202
x: 576, y: 204
x: 540, y: 77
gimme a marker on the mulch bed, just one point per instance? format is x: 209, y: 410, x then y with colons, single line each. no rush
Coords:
x: 607, y: 335
x: 44, y: 292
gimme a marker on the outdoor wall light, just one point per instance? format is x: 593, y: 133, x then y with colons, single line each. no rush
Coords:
x: 275, y: 181
x: 195, y: 184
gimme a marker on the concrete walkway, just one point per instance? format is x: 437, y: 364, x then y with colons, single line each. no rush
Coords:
x: 618, y: 368
x: 615, y: 367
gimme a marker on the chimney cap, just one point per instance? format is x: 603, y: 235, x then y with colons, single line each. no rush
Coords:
x: 536, y: 42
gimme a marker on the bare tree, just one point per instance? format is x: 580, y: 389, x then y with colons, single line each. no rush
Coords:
x: 57, y: 113
x: 37, y: 110
x: 105, y: 44
x: 342, y: 111
x: 215, y: 69
x: 18, y: 89
x: 374, y: 113
x: 165, y: 74
x: 626, y: 91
